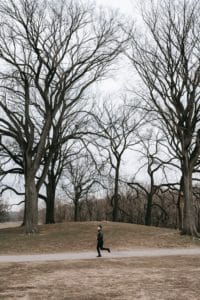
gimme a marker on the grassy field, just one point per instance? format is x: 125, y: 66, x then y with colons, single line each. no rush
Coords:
x: 158, y: 278
x: 82, y: 237
x: 166, y: 278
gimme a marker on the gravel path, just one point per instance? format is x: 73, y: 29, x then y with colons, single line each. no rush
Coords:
x: 92, y: 255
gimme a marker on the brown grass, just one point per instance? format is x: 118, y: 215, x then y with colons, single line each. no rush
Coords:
x: 82, y: 237
x: 163, y: 278
x: 9, y: 224
x: 119, y: 279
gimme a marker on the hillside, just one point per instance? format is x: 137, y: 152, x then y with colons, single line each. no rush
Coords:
x: 81, y: 236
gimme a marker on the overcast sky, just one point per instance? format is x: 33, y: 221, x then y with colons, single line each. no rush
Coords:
x: 125, y: 6
x: 121, y: 79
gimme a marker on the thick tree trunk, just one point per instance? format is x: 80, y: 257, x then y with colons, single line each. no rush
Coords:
x: 50, y: 205
x: 189, y: 224
x: 31, y: 212
x: 115, y: 212
x: 24, y: 216
x: 180, y: 206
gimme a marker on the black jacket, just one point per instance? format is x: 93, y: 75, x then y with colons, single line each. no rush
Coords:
x: 100, y: 236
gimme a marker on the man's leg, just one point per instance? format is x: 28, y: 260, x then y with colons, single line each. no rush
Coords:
x: 105, y: 249
x: 98, y: 249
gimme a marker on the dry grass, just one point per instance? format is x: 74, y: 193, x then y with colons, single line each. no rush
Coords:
x: 163, y: 278
x: 119, y: 279
x: 82, y: 237
x: 9, y: 224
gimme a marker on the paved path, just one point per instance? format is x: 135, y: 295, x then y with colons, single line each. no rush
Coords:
x: 92, y: 255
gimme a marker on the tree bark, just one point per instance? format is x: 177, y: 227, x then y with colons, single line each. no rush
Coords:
x: 50, y: 210
x: 148, y: 210
x: 31, y: 212
x: 180, y: 205
x: 115, y: 199
x: 24, y: 216
x: 50, y: 203
x: 189, y: 224
x: 75, y: 211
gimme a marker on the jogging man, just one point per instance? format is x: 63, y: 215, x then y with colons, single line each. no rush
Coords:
x: 100, y: 241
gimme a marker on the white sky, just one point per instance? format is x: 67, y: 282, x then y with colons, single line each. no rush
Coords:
x: 124, y: 6
x: 118, y: 82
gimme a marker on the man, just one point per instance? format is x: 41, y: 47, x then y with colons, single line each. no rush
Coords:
x: 100, y: 241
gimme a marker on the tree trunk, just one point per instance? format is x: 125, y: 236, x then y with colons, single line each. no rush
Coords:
x: 50, y: 205
x: 89, y: 209
x: 115, y: 198
x: 75, y: 210
x: 148, y: 210
x: 189, y: 224
x: 50, y: 202
x: 31, y: 211
x: 24, y: 216
x: 180, y: 206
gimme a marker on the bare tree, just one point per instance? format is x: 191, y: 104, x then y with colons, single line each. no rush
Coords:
x: 60, y: 159
x: 51, y: 52
x: 66, y: 147
x: 117, y: 132
x: 157, y: 162
x: 167, y: 60
x: 82, y: 178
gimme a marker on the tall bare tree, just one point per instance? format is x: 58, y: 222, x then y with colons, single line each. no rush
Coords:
x: 50, y: 52
x: 167, y: 60
x: 66, y: 147
x: 117, y: 132
x: 156, y: 161
x: 11, y: 162
x: 61, y: 158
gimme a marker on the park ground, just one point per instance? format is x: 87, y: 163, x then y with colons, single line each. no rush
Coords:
x: 150, y: 278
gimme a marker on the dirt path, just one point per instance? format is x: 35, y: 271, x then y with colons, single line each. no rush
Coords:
x: 92, y: 255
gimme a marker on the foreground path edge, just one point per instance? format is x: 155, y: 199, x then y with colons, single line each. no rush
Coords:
x: 151, y: 252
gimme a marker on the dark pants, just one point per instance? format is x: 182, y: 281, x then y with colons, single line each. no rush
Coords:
x: 100, y: 247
